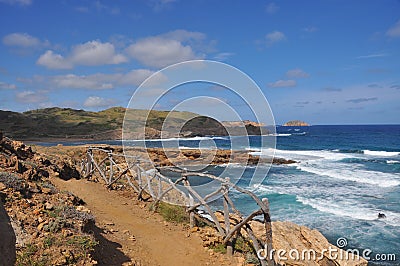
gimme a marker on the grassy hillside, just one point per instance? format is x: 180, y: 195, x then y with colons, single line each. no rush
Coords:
x: 69, y: 123
x: 66, y: 123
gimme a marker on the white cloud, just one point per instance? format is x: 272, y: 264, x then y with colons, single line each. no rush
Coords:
x: 184, y: 36
x: 53, y: 61
x: 92, y: 53
x: 95, y: 53
x: 297, y: 73
x: 23, y: 40
x: 272, y: 8
x: 283, y: 83
x: 102, y: 81
x: 7, y: 86
x: 223, y: 56
x: 134, y: 77
x: 72, y: 81
x: 17, y: 2
x: 394, y: 31
x: 31, y: 97
x: 275, y: 37
x: 161, y: 52
x: 166, y: 49
x: 96, y: 101
x: 371, y: 56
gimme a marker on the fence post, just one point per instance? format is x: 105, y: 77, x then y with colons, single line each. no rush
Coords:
x: 89, y: 163
x: 191, y: 213
x: 229, y: 248
x: 268, y: 231
x: 111, y: 167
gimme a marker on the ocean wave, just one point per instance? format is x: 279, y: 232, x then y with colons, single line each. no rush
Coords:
x: 344, y: 172
x: 351, y: 210
x: 301, y: 154
x: 281, y: 135
x: 381, y: 153
x: 392, y: 161
x: 300, y: 133
x: 196, y: 148
x: 185, y: 139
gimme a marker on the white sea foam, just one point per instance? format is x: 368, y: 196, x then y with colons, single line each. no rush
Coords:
x: 381, y: 153
x: 183, y: 139
x: 196, y: 148
x: 392, y: 161
x: 344, y: 172
x: 281, y: 135
x: 351, y: 209
x: 303, y: 155
x: 300, y: 133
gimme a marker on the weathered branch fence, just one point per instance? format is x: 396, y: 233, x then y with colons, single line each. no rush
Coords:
x: 103, y: 164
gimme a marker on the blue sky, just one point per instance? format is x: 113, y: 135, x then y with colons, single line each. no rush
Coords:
x: 325, y: 62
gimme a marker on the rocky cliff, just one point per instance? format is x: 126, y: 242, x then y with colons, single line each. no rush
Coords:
x: 296, y: 123
x: 40, y: 225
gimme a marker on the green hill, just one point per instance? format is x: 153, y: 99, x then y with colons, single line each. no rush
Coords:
x: 69, y: 123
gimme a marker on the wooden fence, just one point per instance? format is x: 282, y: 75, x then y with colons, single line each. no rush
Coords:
x: 104, y: 163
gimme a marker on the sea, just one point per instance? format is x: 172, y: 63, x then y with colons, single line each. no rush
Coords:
x: 344, y: 176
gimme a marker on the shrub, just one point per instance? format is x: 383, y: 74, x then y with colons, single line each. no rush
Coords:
x: 173, y: 213
x: 12, y: 181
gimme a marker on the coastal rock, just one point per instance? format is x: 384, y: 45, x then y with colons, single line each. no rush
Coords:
x: 67, y: 171
x: 294, y: 240
x: 296, y: 123
x: 297, y: 239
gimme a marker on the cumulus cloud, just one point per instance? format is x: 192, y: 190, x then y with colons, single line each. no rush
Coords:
x: 275, y: 37
x: 52, y: 60
x: 297, y: 73
x: 272, y: 8
x: 92, y: 53
x: 7, y: 86
x: 96, y: 101
x: 158, y: 52
x: 95, y: 53
x: 97, y: 81
x: 102, y: 81
x: 23, y: 42
x: 361, y: 100
x: 17, y: 2
x: 72, y: 81
x: 394, y: 31
x: 283, y: 83
x: 31, y: 97
x: 164, y: 50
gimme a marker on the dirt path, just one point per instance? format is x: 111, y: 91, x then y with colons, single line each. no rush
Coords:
x: 142, y: 236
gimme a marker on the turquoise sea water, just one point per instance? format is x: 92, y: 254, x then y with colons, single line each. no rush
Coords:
x: 344, y: 177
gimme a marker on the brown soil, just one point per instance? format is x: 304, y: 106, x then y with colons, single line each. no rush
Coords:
x: 142, y: 236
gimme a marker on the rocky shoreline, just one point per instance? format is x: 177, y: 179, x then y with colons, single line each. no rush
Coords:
x: 45, y: 224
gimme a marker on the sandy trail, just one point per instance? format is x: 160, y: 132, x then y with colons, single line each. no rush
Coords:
x: 142, y: 236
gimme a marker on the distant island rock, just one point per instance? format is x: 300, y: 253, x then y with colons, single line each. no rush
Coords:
x: 296, y: 123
